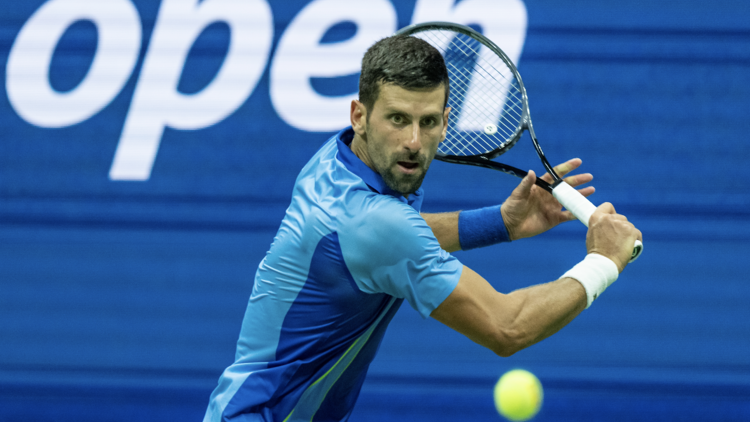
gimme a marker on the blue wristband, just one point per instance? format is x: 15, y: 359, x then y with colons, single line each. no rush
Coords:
x: 482, y: 227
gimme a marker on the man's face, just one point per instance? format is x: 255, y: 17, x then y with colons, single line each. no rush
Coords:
x: 402, y: 134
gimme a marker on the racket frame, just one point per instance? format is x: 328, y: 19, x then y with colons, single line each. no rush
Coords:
x: 485, y: 159
x: 571, y: 199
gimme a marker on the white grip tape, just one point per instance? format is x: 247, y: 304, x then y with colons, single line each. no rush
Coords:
x: 596, y: 273
x: 582, y: 208
x: 576, y: 203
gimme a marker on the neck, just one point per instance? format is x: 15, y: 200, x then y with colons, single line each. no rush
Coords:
x: 359, y: 148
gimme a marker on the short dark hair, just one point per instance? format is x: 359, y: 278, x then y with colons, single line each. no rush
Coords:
x: 407, y: 62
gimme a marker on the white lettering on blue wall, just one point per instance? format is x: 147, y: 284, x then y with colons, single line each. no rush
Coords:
x: 157, y: 103
x: 299, y: 57
x: 27, y: 78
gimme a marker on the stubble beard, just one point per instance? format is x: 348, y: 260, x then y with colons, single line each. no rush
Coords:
x: 387, y: 167
x: 404, y: 183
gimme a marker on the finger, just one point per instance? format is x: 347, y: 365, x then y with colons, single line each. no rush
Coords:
x: 568, y: 166
x: 567, y: 216
x: 563, y: 169
x: 524, y: 188
x: 587, y: 191
x: 579, y: 179
x: 619, y: 217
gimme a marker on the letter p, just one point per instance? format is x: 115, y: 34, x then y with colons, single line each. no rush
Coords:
x: 158, y: 104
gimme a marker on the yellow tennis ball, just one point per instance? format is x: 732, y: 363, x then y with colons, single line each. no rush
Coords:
x: 518, y: 395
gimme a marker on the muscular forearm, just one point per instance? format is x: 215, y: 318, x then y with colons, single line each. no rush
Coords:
x: 544, y: 309
x: 445, y: 228
x: 507, y: 323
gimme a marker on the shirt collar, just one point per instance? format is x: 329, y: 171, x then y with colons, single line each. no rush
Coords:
x: 369, y: 176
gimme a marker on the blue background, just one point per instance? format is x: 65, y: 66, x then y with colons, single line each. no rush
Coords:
x: 123, y: 300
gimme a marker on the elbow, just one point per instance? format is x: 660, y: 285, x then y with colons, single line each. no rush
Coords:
x: 507, y: 341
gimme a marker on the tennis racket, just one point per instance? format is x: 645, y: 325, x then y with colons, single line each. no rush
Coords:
x: 490, y: 110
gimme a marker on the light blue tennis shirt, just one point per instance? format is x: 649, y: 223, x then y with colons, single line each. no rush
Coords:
x: 347, y: 254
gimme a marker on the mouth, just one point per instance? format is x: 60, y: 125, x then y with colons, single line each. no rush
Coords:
x: 408, y: 167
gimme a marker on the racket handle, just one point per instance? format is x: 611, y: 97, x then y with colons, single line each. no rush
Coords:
x: 582, y: 209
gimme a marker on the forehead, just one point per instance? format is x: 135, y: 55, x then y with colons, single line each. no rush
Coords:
x: 420, y: 102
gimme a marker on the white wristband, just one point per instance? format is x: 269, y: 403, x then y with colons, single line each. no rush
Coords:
x: 596, y: 272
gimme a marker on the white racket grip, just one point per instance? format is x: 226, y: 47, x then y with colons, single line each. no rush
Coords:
x: 582, y: 208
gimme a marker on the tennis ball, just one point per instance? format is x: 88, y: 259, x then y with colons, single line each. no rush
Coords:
x: 518, y: 395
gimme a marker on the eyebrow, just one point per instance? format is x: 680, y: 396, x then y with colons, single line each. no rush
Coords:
x: 436, y: 116
x: 394, y: 111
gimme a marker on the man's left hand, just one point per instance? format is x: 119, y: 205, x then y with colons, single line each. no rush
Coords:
x: 531, y: 210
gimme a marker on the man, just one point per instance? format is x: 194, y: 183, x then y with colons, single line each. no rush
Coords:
x: 353, y: 246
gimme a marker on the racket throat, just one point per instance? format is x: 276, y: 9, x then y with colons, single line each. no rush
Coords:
x: 556, y: 183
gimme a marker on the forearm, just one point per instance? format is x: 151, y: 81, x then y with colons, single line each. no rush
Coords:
x: 507, y: 323
x: 542, y: 310
x: 445, y: 228
x: 463, y: 230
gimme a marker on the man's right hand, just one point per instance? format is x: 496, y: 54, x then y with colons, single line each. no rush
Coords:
x: 611, y: 235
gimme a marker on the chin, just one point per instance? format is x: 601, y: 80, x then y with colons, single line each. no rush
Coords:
x: 405, y: 187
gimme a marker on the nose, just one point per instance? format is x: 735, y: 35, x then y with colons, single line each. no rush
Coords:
x: 414, y: 144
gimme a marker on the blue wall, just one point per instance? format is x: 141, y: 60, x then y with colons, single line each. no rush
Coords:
x: 128, y: 295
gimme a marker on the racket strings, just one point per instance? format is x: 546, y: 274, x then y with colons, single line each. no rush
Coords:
x: 485, y: 98
x: 491, y: 67
x: 463, y: 142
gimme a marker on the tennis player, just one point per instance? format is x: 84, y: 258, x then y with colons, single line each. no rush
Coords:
x: 353, y: 246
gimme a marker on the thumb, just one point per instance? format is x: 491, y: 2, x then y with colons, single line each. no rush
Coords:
x: 524, y: 188
x: 607, y: 208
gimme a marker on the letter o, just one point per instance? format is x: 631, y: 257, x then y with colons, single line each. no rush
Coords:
x: 27, y: 76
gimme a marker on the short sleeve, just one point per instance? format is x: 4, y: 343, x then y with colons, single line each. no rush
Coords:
x: 391, y: 249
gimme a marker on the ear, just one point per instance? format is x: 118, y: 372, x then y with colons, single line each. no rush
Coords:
x: 446, y: 113
x: 358, y: 117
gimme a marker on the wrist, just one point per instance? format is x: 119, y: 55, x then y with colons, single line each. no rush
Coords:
x: 511, y: 235
x: 596, y: 273
x: 481, y: 227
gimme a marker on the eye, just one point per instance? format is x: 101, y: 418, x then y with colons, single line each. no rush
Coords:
x: 429, y: 122
x: 397, y: 119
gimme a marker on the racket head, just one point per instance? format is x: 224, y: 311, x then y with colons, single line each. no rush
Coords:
x: 489, y: 106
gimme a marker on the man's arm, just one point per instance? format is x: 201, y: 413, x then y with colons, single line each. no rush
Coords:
x: 527, y: 212
x: 507, y: 323
x: 445, y: 228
